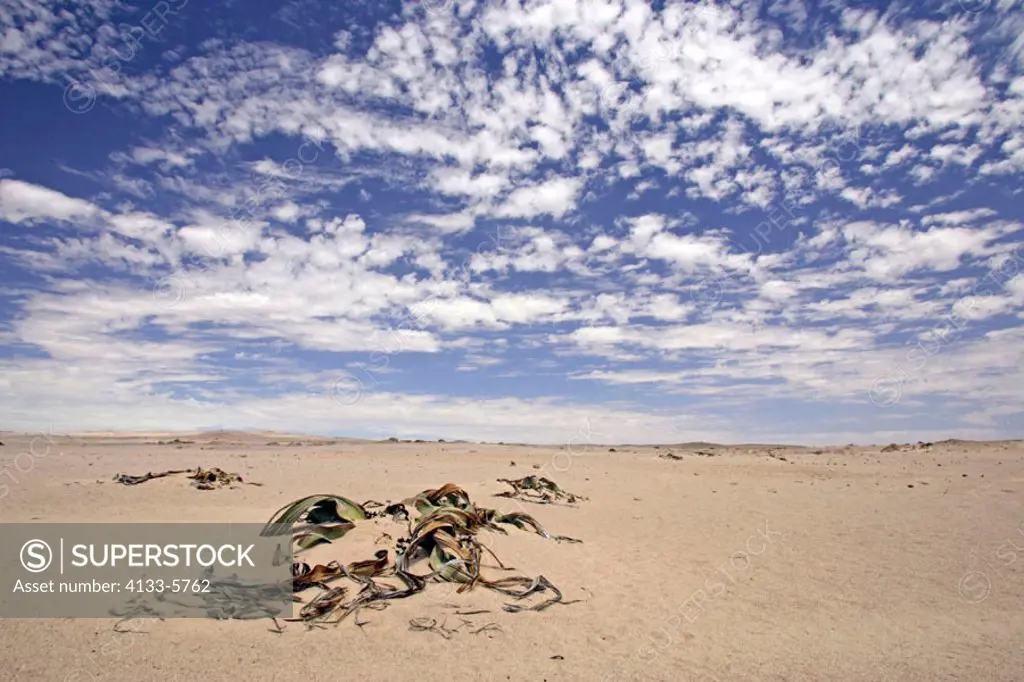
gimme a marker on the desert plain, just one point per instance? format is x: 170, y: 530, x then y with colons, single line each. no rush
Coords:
x: 697, y: 561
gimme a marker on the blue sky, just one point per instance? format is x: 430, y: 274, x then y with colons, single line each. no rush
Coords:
x: 518, y: 221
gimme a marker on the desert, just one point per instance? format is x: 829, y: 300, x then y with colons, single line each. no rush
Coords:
x: 696, y: 561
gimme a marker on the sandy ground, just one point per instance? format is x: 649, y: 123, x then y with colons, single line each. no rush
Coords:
x: 742, y: 563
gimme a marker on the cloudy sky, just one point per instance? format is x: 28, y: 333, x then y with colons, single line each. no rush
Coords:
x: 518, y: 220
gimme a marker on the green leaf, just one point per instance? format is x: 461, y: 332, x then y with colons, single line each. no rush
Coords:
x: 282, y: 520
x: 322, y: 534
x: 326, y: 511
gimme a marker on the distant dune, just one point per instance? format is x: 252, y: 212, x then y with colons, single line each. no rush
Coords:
x: 279, y: 438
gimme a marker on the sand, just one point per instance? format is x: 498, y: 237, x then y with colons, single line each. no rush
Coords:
x: 740, y: 563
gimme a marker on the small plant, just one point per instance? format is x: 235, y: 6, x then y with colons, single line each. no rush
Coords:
x: 445, y: 536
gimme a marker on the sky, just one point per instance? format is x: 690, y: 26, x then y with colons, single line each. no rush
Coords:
x: 523, y: 220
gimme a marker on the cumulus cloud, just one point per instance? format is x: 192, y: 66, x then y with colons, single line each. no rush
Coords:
x: 698, y: 199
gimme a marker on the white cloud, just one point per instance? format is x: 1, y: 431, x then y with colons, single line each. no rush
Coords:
x: 889, y: 251
x: 22, y: 202
x: 146, y: 155
x: 554, y: 197
x: 288, y: 212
